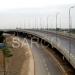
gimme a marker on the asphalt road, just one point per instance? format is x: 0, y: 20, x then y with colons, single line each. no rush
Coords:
x: 64, y: 44
x: 43, y: 64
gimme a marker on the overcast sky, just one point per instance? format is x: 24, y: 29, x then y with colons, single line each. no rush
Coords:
x: 24, y: 13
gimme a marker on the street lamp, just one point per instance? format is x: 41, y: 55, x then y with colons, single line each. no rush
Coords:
x: 35, y: 23
x: 56, y: 20
x: 70, y: 26
x: 47, y: 22
x: 40, y: 24
x: 24, y: 23
x: 60, y: 23
x: 70, y: 18
x: 56, y: 24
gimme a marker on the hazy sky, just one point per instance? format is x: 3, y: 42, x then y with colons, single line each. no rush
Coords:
x: 32, y: 3
x: 34, y: 13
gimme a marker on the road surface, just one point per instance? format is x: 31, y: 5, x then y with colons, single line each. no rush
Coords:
x: 43, y: 64
x: 64, y: 44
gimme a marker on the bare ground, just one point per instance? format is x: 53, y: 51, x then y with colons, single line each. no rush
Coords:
x: 19, y: 63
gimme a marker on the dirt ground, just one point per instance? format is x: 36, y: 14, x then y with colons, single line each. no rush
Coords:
x: 18, y: 64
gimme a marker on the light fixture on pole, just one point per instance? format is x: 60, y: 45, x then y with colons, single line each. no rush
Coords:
x: 56, y: 25
x: 70, y: 26
x: 47, y: 22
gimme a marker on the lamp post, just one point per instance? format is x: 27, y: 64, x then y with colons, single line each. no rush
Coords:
x: 56, y: 25
x: 56, y: 20
x: 40, y: 24
x: 70, y: 26
x: 17, y: 30
x: 24, y: 24
x: 60, y: 22
x: 35, y: 23
x: 47, y: 22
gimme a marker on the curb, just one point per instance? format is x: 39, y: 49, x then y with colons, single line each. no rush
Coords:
x: 31, y: 64
x: 58, y: 63
x: 31, y: 70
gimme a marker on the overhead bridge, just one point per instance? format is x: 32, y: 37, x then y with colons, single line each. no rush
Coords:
x: 64, y: 44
